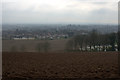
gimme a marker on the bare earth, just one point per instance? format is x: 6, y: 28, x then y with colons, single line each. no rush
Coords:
x: 60, y: 65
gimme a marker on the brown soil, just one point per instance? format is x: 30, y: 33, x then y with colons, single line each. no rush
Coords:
x: 60, y: 65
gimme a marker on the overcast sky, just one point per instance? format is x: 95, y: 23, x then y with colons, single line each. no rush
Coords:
x: 60, y: 11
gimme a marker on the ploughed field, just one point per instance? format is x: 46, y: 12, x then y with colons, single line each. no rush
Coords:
x: 60, y: 65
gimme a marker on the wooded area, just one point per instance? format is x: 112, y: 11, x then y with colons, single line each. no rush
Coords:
x: 94, y: 41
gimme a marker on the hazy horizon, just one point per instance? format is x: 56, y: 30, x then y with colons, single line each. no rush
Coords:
x: 54, y: 24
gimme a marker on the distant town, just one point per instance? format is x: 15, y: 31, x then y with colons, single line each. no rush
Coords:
x: 51, y: 32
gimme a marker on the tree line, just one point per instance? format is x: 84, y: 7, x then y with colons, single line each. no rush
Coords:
x: 94, y: 41
x: 40, y: 47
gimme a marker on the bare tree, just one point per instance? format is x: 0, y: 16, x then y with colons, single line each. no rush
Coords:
x: 70, y: 46
x: 99, y: 41
x: 79, y: 41
x: 112, y: 38
x: 93, y: 37
x: 13, y: 49
x: 118, y: 40
x: 46, y: 46
x: 22, y: 48
x: 86, y: 41
x: 39, y: 47
x: 90, y: 42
